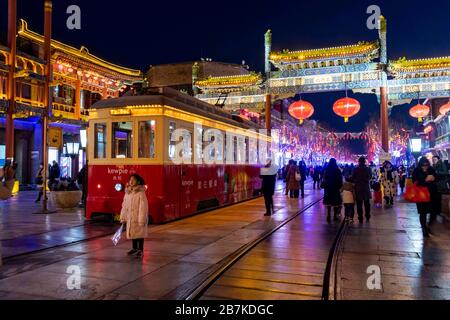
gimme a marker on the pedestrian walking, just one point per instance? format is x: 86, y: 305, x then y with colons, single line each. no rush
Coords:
x: 361, y: 178
x: 424, y: 175
x: 441, y: 181
x: 375, y: 173
x: 303, y: 175
x: 293, y: 180
x: 39, y: 180
x: 268, y: 176
x: 348, y: 198
x: 377, y: 194
x: 389, y: 180
x: 285, y: 173
x: 135, y: 214
x: 316, y: 177
x: 332, y: 183
x: 54, y: 174
x: 82, y: 184
x: 402, y: 177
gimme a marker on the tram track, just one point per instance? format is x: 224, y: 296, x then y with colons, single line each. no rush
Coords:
x: 330, y: 272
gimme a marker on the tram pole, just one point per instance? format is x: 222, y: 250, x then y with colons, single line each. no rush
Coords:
x: 47, y: 99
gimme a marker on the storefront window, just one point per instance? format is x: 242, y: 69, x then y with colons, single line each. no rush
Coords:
x: 122, y: 145
x: 147, y: 139
x: 100, y: 140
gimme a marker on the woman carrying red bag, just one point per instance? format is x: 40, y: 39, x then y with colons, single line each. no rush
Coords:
x: 425, y: 176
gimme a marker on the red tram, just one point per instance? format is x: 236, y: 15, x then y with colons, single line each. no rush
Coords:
x: 135, y: 134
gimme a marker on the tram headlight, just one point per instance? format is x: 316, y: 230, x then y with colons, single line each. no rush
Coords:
x: 118, y: 187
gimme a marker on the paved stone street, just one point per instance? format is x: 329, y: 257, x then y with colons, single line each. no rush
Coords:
x: 180, y: 255
x: 411, y: 267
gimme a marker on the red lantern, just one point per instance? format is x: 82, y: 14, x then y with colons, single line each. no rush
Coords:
x: 445, y: 108
x: 301, y: 110
x: 419, y: 111
x: 346, y: 107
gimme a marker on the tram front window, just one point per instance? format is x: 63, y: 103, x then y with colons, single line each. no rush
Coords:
x: 147, y: 139
x: 100, y: 140
x: 122, y: 139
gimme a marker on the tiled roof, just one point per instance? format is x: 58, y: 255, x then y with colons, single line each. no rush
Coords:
x: 361, y: 48
x: 404, y: 65
x: 236, y: 80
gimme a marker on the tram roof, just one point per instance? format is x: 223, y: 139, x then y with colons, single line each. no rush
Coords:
x: 166, y: 96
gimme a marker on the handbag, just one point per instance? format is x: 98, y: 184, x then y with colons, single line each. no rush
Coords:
x: 39, y: 180
x: 298, y: 176
x: 417, y: 194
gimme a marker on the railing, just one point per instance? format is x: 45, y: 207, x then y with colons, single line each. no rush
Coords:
x: 30, y: 102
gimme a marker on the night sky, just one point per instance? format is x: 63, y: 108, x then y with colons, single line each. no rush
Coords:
x: 142, y: 33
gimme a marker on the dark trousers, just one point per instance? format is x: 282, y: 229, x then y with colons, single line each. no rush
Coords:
x: 294, y: 193
x: 316, y: 182
x: 268, y: 200
x: 336, y: 211
x: 138, y: 244
x: 349, y: 210
x: 302, y: 187
x: 389, y: 200
x: 359, y: 208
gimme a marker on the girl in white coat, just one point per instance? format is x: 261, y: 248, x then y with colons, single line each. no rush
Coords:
x: 135, y: 213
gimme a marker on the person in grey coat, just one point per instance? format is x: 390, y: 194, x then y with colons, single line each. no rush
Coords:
x: 361, y: 177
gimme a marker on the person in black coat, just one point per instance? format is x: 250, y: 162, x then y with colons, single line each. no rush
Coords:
x: 361, y: 177
x: 303, y: 173
x: 332, y: 183
x: 425, y: 176
x: 268, y: 175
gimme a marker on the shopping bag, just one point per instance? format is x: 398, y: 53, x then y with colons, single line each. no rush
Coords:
x: 417, y: 194
x: 116, y: 237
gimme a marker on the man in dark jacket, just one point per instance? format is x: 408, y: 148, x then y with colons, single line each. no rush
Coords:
x: 361, y: 177
x: 54, y: 173
x: 268, y: 175
x: 303, y: 170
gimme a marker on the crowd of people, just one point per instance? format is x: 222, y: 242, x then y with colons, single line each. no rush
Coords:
x: 348, y: 186
x: 57, y: 182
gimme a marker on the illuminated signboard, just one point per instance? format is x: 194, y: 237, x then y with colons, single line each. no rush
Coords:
x: 416, y: 145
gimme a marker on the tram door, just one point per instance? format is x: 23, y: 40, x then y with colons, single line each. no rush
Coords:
x: 187, y: 191
x: 187, y: 175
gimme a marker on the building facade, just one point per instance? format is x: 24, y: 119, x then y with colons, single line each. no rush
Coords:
x: 79, y: 79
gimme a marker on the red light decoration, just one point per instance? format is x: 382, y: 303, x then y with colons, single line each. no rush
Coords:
x: 347, y: 136
x: 364, y: 136
x: 346, y: 107
x: 301, y: 110
x: 445, y: 108
x: 419, y: 111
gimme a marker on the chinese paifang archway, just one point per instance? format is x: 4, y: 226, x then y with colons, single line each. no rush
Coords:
x: 362, y: 68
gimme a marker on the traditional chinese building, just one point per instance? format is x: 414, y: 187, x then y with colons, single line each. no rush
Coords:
x: 79, y: 79
x: 361, y: 67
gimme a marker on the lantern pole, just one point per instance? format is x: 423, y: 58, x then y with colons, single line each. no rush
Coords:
x: 48, y: 7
